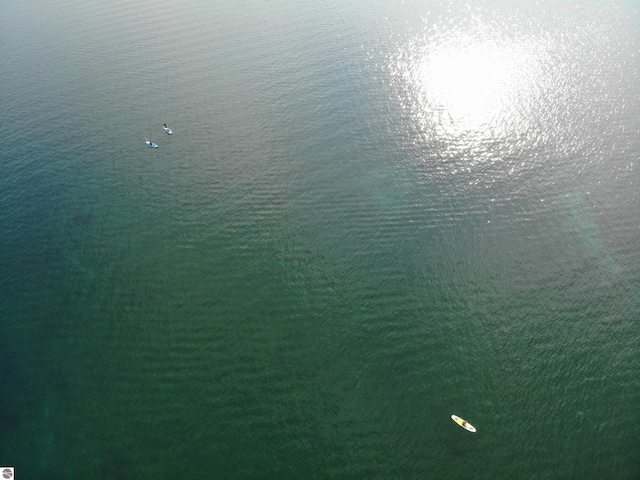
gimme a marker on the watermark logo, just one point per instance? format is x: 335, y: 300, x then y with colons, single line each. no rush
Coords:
x: 7, y: 472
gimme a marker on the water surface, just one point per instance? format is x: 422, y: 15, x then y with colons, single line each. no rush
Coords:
x: 369, y: 217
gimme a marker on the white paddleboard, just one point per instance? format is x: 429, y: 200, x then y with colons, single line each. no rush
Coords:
x: 463, y: 423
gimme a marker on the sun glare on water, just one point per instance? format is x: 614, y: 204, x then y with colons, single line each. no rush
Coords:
x: 460, y: 83
x: 470, y: 84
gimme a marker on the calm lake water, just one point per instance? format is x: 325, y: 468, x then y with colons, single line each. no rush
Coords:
x: 370, y: 216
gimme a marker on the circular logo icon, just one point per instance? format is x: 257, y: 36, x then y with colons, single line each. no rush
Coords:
x: 7, y: 473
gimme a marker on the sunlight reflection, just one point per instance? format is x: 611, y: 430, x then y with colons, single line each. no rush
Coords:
x: 467, y: 84
x: 471, y: 84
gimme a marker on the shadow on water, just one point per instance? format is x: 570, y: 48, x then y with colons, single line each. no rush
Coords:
x: 455, y: 450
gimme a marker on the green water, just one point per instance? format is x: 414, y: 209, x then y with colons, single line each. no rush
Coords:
x: 370, y: 216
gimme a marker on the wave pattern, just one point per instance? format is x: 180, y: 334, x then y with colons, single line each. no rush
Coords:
x: 331, y: 254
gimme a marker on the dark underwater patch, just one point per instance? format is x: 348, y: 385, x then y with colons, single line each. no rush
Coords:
x: 15, y: 389
x: 81, y: 220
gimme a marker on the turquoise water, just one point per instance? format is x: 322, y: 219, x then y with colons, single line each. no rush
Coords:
x: 370, y: 216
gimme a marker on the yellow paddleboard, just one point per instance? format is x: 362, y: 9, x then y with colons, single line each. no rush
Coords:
x: 463, y: 423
